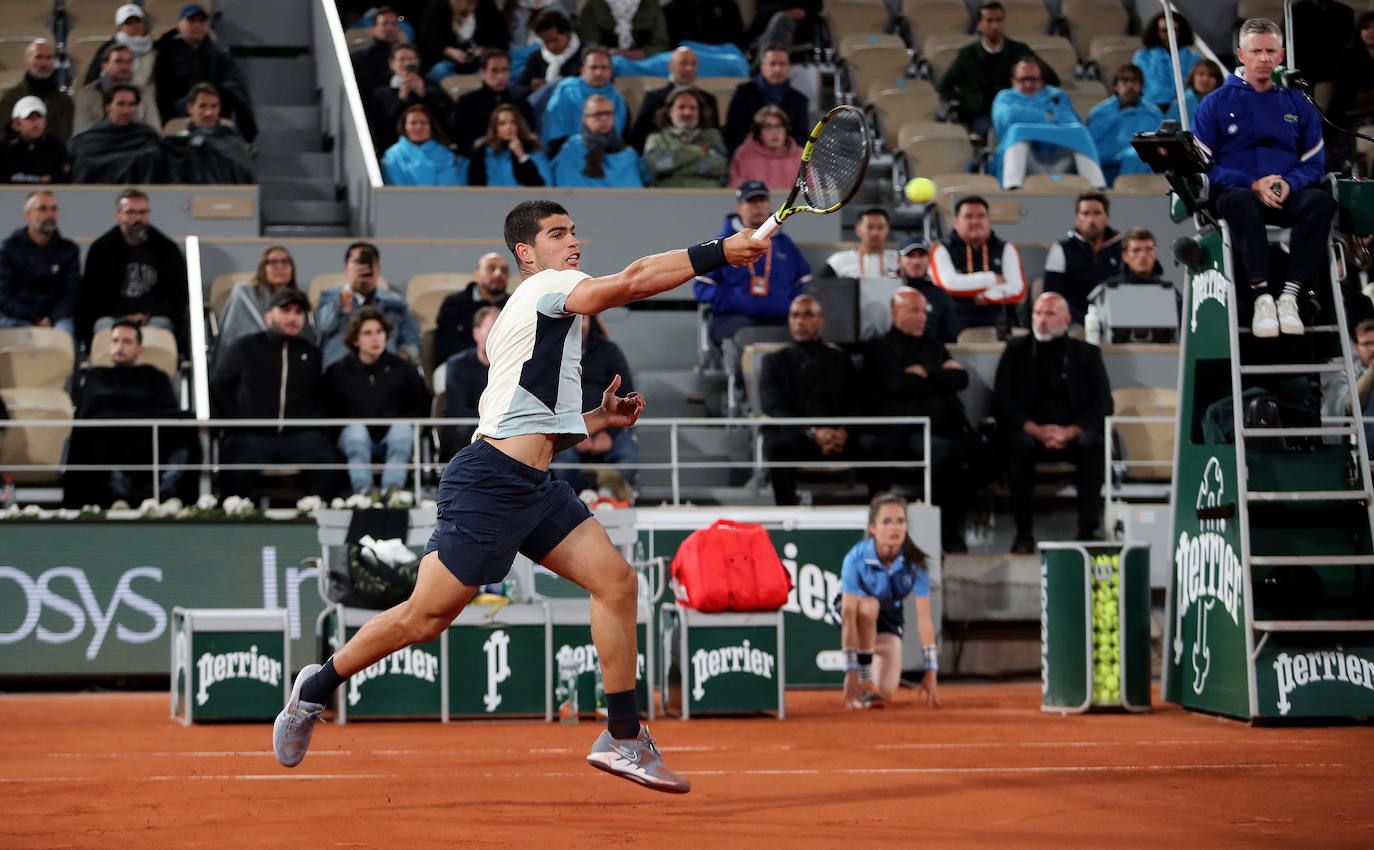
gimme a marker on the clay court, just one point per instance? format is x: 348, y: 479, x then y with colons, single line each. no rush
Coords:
x: 989, y: 769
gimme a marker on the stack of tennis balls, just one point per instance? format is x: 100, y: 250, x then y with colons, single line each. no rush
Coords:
x: 1106, y: 588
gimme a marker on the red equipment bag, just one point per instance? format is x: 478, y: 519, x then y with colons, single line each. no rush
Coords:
x: 730, y: 566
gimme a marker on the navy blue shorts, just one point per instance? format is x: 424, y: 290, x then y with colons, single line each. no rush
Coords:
x: 891, y: 618
x: 491, y: 506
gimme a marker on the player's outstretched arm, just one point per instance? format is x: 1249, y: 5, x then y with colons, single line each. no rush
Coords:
x: 661, y: 272
x: 615, y: 411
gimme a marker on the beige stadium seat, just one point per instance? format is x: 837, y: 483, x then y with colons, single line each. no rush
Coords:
x: 1271, y: 9
x: 12, y: 47
x: 1026, y: 18
x: 1056, y: 184
x: 320, y: 282
x: 935, y: 148
x: 1147, y: 441
x: 1140, y: 184
x: 928, y: 17
x: 750, y: 361
x: 35, y: 357
x: 34, y: 444
x: 940, y: 49
x: 854, y: 41
x: 457, y: 85
x: 981, y: 335
x: 357, y: 37
x: 850, y: 17
x: 159, y: 350
x: 723, y: 88
x: 1084, y: 101
x: 868, y: 65
x: 633, y: 90
x: 900, y: 106
x: 1112, y: 51
x: 951, y: 187
x: 223, y: 286
x: 1057, y: 52
x: 425, y: 292
x: 81, y: 52
x: 1089, y: 19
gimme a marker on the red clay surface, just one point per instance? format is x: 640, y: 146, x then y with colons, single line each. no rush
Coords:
x: 987, y: 770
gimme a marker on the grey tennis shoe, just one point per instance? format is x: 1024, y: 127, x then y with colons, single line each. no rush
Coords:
x: 296, y: 723
x: 638, y: 760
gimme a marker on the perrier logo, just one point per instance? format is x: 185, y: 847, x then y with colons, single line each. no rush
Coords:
x: 213, y: 668
x: 709, y: 663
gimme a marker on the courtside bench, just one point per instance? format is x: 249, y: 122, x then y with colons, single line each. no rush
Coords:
x: 229, y: 663
x: 726, y: 662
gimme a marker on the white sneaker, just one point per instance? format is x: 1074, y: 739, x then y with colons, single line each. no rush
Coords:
x: 1265, y: 324
x: 1289, y: 320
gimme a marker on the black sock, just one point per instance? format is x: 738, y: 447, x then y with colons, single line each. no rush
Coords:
x: 622, y: 714
x: 318, y: 687
x: 865, y: 666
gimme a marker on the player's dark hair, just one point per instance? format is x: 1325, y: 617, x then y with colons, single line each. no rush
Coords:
x: 369, y: 250
x: 363, y: 314
x: 910, y: 551
x: 522, y: 222
x: 129, y: 323
x: 1100, y: 197
x: 970, y: 199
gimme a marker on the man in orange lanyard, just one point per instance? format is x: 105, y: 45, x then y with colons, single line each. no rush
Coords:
x: 981, y: 271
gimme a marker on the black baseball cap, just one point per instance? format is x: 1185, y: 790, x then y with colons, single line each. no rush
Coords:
x: 290, y: 295
x: 913, y: 243
x: 750, y: 189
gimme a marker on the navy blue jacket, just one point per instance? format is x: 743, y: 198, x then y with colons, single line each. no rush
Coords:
x: 728, y: 289
x: 39, y: 281
x: 1250, y: 134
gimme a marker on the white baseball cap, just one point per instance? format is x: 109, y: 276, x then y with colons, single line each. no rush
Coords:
x: 127, y: 11
x: 28, y: 105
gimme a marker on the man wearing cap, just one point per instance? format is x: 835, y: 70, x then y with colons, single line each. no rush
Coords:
x: 29, y: 153
x: 132, y: 270
x: 38, y: 81
x: 942, y: 317
x: 870, y: 259
x: 186, y: 55
x: 131, y: 31
x: 116, y: 67
x: 39, y: 270
x: 273, y: 374
x: 757, y: 294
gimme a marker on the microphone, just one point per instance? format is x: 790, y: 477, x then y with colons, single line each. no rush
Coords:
x: 1288, y: 78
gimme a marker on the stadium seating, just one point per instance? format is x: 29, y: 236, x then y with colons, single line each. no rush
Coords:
x: 35, y: 357
x: 457, y: 85
x: 12, y: 57
x: 939, y: 50
x: 34, y: 444
x: 320, y: 282
x: 1026, y: 19
x: 1084, y: 100
x: 1271, y: 9
x: 1112, y: 51
x: 870, y: 64
x: 1146, y: 440
x: 222, y: 286
x: 1057, y: 52
x: 723, y: 88
x: 1140, y: 184
x: 1056, y: 184
x: 1089, y: 19
x: 425, y: 292
x: 848, y: 17
x: 935, y: 148
x: 159, y: 349
x: 899, y: 106
x: 951, y: 187
x: 633, y: 90
x: 928, y: 17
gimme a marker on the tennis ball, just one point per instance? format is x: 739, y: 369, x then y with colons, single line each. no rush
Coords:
x: 919, y: 190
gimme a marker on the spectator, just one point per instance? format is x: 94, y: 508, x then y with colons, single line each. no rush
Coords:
x: 117, y: 67
x: 770, y: 87
x: 127, y: 389
x: 458, y: 313
x: 942, y: 316
x: 602, y: 361
x: 567, y: 105
x: 1052, y: 395
x: 1265, y: 144
x: 421, y: 156
x: 981, y: 271
x: 784, y: 22
x: 911, y: 373
x: 631, y: 28
x: 40, y: 271
x: 250, y: 300
x: 405, y: 89
x: 682, y: 73
x: 472, y: 113
x: 465, y: 378
x: 118, y: 148
x: 214, y: 150
x: 871, y: 258
x: 598, y: 156
x: 1205, y: 78
x: 559, y: 56
x: 29, y: 153
x: 1156, y: 63
x: 455, y: 31
x: 523, y: 13
x: 273, y: 374
x: 981, y: 69
x: 133, y: 271
x: 1115, y: 120
x: 362, y: 271
x: 372, y: 383
x: 509, y: 154
x: 186, y: 55
x: 1039, y: 131
x: 706, y: 21
x: 687, y: 151
x: 131, y: 31
x: 38, y: 81
x: 752, y: 295
x: 1088, y: 255
x: 1364, y: 381
x: 810, y: 379
x: 1352, y: 101
x: 1139, y: 259
x: 372, y: 61
x: 768, y: 153
x: 1320, y: 29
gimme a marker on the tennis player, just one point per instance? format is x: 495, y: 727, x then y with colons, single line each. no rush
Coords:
x: 878, y: 574
x: 496, y: 497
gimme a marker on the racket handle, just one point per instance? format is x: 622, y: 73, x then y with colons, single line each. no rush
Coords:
x: 768, y: 228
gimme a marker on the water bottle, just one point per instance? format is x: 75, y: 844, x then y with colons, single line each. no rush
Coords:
x: 1092, y: 325
x: 567, y: 688
x: 509, y: 588
x: 7, y: 492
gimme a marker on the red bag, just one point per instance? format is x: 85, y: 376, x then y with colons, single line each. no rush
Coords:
x: 730, y: 566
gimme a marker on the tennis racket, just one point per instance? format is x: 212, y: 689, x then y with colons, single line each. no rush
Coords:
x: 833, y: 165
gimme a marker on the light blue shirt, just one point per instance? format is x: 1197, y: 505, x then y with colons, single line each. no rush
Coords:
x: 864, y: 575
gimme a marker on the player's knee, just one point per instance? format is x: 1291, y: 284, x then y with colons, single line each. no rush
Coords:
x: 620, y: 584
x: 421, y: 627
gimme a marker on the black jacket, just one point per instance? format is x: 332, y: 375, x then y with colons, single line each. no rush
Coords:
x: 179, y: 65
x: 453, y: 326
x: 39, y: 281
x: 707, y: 21
x: 942, y: 317
x: 749, y: 98
x: 372, y: 65
x: 647, y: 120
x: 465, y: 377
x: 536, y: 68
x: 247, y: 382
x: 473, y: 110
x: 110, y: 287
x: 120, y: 392
x: 121, y: 153
x: 390, y: 386
x: 896, y: 392
x: 764, y: 10
x: 1014, y: 391
x: 1083, y: 268
x: 385, y: 105
x: 436, y: 32
x: 602, y: 360
x: 814, y: 379
x: 30, y: 162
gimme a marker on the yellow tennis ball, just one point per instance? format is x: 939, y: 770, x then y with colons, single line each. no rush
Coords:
x: 919, y: 190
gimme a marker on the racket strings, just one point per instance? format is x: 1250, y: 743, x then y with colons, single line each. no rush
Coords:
x: 838, y: 160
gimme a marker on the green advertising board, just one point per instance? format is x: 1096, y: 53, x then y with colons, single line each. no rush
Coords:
x: 729, y: 662
x: 229, y: 664
x: 1307, y: 675
x: 575, y: 641
x: 498, y: 662
x: 407, y: 683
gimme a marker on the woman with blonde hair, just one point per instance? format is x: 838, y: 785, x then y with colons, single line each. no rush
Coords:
x: 768, y: 153
x: 509, y: 154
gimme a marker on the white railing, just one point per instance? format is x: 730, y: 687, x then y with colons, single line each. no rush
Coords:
x: 341, y: 112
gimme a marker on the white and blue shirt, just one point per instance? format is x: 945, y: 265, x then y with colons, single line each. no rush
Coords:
x: 864, y: 575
